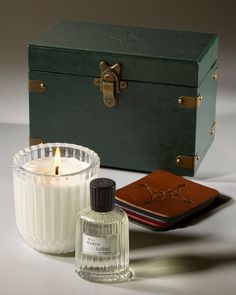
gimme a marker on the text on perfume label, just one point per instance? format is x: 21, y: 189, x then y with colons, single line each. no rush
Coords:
x: 99, y: 246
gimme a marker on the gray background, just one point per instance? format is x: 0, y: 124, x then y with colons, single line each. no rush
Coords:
x: 21, y: 21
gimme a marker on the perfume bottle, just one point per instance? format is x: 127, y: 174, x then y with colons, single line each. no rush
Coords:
x: 102, y: 237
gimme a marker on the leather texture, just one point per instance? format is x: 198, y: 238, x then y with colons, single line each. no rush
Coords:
x: 148, y: 129
x: 146, y: 54
x: 164, y: 197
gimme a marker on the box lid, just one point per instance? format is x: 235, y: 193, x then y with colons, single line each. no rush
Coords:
x: 146, y: 54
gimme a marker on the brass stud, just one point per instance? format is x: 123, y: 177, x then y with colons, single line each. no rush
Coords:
x: 197, y: 157
x: 97, y: 81
x: 178, y: 160
x: 212, y: 132
x: 215, y: 75
x: 123, y: 84
x: 108, y: 101
x: 180, y: 100
x: 42, y: 85
x: 200, y: 97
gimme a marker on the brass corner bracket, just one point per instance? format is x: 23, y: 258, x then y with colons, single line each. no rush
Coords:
x: 190, y: 102
x: 35, y: 140
x: 110, y: 84
x: 36, y: 86
x: 215, y: 75
x: 187, y: 162
x: 213, y: 130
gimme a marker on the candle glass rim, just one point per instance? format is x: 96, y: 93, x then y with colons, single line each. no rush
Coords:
x: 95, y: 162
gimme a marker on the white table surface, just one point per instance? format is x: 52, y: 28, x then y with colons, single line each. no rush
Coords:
x: 199, y: 258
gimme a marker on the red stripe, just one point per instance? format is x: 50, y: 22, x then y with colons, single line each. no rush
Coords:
x: 146, y: 220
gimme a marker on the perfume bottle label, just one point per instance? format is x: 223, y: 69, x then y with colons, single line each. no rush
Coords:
x: 99, y: 246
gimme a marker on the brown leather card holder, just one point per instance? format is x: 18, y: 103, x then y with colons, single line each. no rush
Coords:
x: 164, y: 198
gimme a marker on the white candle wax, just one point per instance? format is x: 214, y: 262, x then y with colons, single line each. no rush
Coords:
x: 45, y: 166
x: 46, y: 204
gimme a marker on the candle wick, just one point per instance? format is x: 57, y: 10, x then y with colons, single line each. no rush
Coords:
x: 57, y: 170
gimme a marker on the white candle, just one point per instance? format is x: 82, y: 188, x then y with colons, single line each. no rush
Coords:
x: 46, y: 204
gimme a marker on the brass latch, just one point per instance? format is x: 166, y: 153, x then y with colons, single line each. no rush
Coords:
x: 187, y: 162
x: 110, y: 84
x: 190, y: 102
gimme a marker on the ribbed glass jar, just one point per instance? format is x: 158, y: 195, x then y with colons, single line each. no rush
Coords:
x: 102, y: 246
x: 46, y: 206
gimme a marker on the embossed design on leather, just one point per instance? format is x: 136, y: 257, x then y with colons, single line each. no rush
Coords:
x: 166, y: 196
x: 166, y: 193
x: 126, y: 37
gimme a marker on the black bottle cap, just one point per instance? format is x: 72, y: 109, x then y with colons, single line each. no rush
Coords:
x: 102, y: 194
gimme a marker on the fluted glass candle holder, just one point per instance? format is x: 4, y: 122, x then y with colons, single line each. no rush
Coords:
x: 47, y: 201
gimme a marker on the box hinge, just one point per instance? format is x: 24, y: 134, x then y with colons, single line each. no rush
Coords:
x: 110, y: 84
x: 37, y: 86
x: 187, y: 162
x: 190, y: 102
x: 35, y: 140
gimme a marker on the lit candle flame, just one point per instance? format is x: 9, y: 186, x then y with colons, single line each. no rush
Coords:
x: 57, y: 161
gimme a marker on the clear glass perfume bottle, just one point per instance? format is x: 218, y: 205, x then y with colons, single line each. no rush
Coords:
x: 102, y: 237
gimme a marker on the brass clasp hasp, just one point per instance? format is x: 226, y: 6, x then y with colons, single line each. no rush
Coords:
x: 110, y: 84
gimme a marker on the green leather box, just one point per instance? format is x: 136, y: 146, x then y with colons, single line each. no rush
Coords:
x: 142, y: 98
